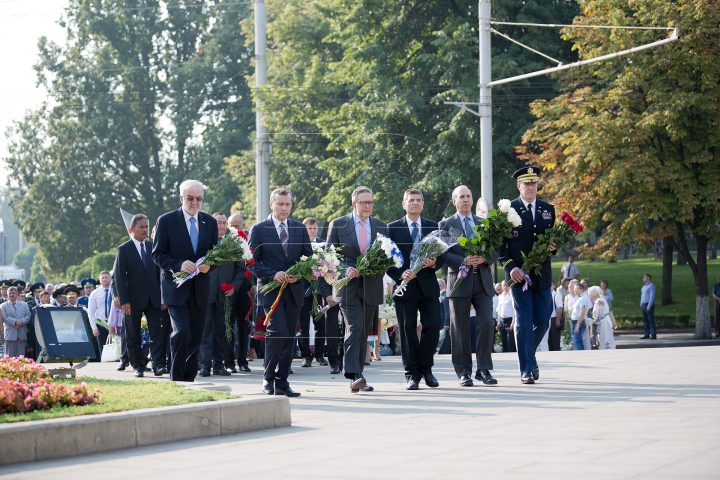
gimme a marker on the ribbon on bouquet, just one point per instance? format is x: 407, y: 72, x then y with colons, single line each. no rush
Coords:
x: 528, y: 282
x: 180, y: 281
x: 275, y: 303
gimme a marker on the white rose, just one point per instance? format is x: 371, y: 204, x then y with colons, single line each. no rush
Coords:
x: 315, y: 257
x: 515, y: 220
x: 504, y: 205
x: 303, y: 258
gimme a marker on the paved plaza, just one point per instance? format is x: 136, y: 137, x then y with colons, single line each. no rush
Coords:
x: 638, y: 413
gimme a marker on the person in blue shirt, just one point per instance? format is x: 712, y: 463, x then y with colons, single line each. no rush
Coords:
x: 647, y: 306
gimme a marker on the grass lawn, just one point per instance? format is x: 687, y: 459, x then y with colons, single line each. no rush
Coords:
x: 120, y: 395
x: 625, y: 279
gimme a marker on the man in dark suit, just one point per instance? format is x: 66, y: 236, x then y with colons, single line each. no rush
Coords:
x: 241, y: 308
x: 214, y: 345
x: 533, y: 307
x: 475, y: 290
x: 352, y: 235
x: 420, y: 296
x: 181, y: 238
x: 278, y: 243
x: 137, y: 280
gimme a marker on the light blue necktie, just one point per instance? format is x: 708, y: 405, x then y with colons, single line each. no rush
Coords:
x: 469, y: 231
x: 193, y: 234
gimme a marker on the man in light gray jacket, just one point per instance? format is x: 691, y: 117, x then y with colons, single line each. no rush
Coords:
x: 15, y: 317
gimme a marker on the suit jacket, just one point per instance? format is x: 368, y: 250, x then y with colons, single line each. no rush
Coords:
x: 523, y: 239
x: 270, y: 257
x: 229, y: 272
x: 341, y: 233
x: 172, y: 246
x: 136, y: 284
x: 455, y: 256
x: 426, y: 282
x: 10, y: 315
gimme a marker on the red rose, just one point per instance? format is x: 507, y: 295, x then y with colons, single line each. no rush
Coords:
x: 248, y: 274
x: 250, y: 262
x: 242, y: 234
x: 226, y: 287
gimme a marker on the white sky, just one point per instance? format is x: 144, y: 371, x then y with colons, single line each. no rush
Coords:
x: 22, y: 23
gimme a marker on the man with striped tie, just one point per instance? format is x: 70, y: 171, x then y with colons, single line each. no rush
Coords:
x: 278, y: 243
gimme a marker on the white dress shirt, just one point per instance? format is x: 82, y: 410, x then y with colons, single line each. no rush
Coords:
x: 187, y: 224
x: 96, y: 305
x: 277, y: 223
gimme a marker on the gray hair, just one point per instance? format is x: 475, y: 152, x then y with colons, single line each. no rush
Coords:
x: 595, y: 291
x: 188, y: 184
x: 12, y: 289
x: 358, y: 191
x: 280, y: 191
x: 456, y: 192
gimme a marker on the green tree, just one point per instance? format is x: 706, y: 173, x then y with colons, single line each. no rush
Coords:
x: 24, y: 259
x: 631, y: 146
x: 133, y: 89
x: 355, y: 96
x: 91, y: 267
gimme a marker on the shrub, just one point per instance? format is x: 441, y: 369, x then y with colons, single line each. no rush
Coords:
x: 24, y: 387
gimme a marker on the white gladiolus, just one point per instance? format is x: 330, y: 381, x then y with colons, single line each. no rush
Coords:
x: 315, y: 257
x: 504, y: 205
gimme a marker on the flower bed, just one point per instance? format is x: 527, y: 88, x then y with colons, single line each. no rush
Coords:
x: 26, y: 386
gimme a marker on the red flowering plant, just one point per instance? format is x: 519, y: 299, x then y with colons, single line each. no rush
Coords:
x: 227, y: 287
x: 560, y: 235
x: 260, y: 328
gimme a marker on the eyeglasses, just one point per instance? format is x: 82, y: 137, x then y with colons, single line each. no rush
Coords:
x: 193, y: 199
x: 366, y: 204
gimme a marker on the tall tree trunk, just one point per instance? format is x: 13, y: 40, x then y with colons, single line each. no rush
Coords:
x: 681, y: 258
x: 625, y: 252
x: 703, y: 324
x: 667, y: 259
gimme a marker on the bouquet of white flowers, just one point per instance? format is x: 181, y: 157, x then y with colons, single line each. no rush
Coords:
x: 432, y: 245
x: 382, y: 254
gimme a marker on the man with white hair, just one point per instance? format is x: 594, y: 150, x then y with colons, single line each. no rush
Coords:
x: 182, y: 237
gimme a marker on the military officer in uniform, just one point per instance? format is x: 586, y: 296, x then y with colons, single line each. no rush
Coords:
x: 32, y: 302
x: 4, y: 285
x: 87, y: 285
x: 72, y: 293
x: 533, y: 305
x: 59, y: 299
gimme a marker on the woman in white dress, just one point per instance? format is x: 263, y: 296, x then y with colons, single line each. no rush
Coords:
x: 601, y: 318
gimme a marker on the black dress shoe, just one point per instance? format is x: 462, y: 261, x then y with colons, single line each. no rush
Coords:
x: 412, y: 384
x: 466, y: 381
x: 322, y: 362
x: 653, y: 337
x: 204, y: 372
x: 288, y: 392
x: 367, y: 388
x: 147, y: 369
x: 122, y: 367
x: 334, y: 371
x: 231, y: 369
x: 527, y: 378
x: 536, y: 371
x: 485, y: 377
x: 645, y: 337
x: 244, y: 368
x: 357, y: 383
x: 159, y: 371
x: 431, y: 381
x: 139, y: 372
x: 268, y: 389
x: 307, y: 362
x: 221, y: 371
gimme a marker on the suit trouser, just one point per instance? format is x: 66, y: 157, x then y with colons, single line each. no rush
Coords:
x: 417, y: 355
x: 306, y: 322
x: 461, y: 345
x: 131, y: 325
x: 554, y: 336
x: 214, y: 344
x: 332, y: 337
x: 280, y: 340
x: 240, y: 310
x: 507, y: 336
x: 359, y: 318
x: 533, y: 309
x: 166, y: 330
x: 188, y: 320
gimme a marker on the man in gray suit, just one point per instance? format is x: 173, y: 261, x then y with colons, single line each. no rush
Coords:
x: 353, y: 234
x: 475, y: 290
x: 15, y: 317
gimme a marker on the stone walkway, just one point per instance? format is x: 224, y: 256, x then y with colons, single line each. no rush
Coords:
x: 638, y: 413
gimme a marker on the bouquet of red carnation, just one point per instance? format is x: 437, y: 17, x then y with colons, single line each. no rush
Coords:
x: 560, y: 235
x: 226, y: 287
x: 260, y: 328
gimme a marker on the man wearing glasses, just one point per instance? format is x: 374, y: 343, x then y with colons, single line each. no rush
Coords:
x: 182, y: 237
x: 353, y: 234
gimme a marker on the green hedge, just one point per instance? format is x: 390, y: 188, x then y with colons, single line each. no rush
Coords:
x: 91, y: 267
x: 669, y: 321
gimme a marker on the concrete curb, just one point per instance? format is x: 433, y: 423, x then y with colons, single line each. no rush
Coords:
x: 82, y: 435
x: 655, y: 344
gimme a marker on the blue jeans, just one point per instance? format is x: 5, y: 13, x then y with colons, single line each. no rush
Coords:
x: 577, y: 338
x: 648, y: 319
x: 533, y: 309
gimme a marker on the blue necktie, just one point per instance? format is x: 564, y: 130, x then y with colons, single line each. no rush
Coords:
x: 143, y: 255
x: 415, y: 231
x: 193, y: 234
x: 469, y: 232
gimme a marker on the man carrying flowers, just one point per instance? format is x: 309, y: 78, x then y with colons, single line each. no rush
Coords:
x: 278, y: 243
x: 531, y: 291
x: 359, y: 298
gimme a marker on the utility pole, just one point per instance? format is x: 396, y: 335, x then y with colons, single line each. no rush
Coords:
x: 262, y: 145
x: 484, y: 106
